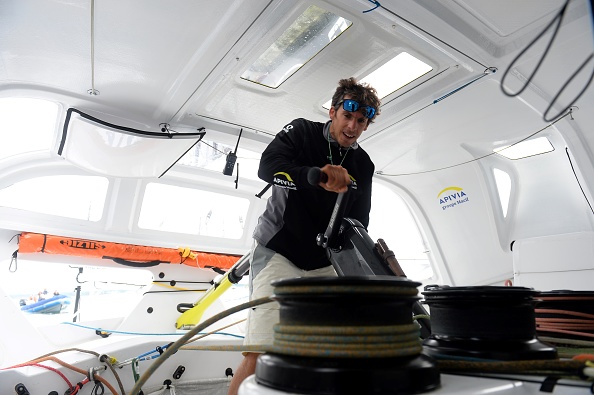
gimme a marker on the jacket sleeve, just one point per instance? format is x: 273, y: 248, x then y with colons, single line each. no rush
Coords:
x: 362, y: 204
x: 281, y: 164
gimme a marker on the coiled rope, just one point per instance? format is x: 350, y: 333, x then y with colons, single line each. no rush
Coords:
x: 298, y: 336
x: 566, y: 319
x: 347, y: 342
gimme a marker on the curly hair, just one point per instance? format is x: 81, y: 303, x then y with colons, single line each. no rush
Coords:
x: 361, y: 92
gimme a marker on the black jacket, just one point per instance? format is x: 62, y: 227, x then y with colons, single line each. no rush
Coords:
x: 297, y: 211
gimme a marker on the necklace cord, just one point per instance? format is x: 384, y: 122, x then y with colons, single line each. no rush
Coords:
x: 330, y: 152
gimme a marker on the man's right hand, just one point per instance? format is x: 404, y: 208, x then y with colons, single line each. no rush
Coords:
x: 338, y: 179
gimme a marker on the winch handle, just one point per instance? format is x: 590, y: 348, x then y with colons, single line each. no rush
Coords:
x: 315, y: 175
x: 328, y: 239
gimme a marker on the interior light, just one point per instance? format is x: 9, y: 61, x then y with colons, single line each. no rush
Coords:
x: 526, y: 148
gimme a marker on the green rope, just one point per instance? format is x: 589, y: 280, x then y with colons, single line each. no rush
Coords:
x: 347, y: 341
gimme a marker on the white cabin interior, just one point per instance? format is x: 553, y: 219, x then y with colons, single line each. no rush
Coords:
x: 450, y: 199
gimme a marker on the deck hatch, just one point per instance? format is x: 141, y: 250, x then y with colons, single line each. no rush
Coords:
x: 311, y: 32
x: 396, y: 73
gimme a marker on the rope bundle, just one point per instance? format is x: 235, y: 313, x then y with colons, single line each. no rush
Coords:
x: 347, y: 341
x: 566, y: 319
x: 349, y: 334
x: 566, y: 314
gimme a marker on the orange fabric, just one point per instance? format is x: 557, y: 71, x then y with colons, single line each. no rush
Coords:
x: 35, y: 243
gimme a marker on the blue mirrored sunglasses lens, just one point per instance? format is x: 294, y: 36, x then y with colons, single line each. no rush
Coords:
x: 352, y: 106
x: 370, y: 112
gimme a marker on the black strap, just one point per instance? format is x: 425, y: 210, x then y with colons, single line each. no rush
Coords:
x: 263, y: 191
x: 134, y: 263
x: 548, y: 385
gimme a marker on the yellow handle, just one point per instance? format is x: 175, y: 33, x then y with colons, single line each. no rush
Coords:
x: 192, y: 316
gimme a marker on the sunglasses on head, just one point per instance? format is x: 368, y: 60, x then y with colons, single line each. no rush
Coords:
x: 351, y: 105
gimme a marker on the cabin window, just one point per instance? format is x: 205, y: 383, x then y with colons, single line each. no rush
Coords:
x: 46, y: 292
x: 28, y: 125
x: 178, y: 209
x: 71, y: 196
x: 503, y: 181
x: 211, y: 155
x: 311, y: 32
x: 390, y: 219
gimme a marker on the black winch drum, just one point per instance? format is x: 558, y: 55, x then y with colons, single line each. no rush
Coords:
x: 331, y: 303
x: 484, y: 322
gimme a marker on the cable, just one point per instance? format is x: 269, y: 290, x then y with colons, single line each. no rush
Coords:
x: 565, y: 85
x: 560, y: 323
x: 566, y: 319
x: 101, y: 359
x: 487, y: 71
x: 216, y: 331
x: 180, y: 342
x: 577, y: 179
x: 480, y: 157
x: 558, y: 19
x: 49, y: 368
x: 492, y: 70
x: 35, y: 362
x: 137, y: 333
x: 377, y: 4
x: 431, y: 35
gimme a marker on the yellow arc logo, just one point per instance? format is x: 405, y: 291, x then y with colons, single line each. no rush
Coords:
x: 457, y: 189
x: 284, y: 174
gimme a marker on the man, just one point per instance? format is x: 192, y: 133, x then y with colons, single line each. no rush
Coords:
x: 285, y: 237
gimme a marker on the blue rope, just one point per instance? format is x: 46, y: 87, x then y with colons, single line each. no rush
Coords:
x: 377, y: 4
x: 491, y: 69
x: 151, y: 352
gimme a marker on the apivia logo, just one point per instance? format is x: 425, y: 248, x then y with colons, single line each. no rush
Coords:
x: 283, y: 180
x: 451, y: 197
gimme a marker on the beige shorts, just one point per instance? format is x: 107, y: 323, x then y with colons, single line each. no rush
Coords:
x: 267, y: 266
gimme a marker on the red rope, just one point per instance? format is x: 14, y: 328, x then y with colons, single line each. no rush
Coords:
x: 52, y: 369
x: 583, y: 326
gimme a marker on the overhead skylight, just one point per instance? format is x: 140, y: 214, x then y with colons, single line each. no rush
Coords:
x: 399, y: 71
x: 305, y: 38
x: 524, y: 149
